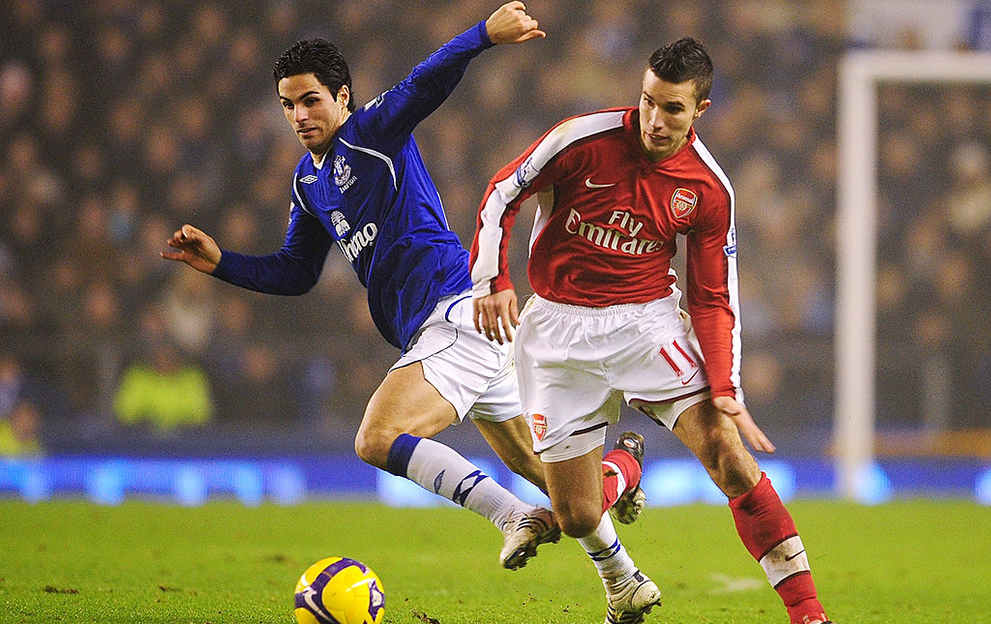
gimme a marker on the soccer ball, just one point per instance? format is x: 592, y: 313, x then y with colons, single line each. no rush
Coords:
x: 338, y: 590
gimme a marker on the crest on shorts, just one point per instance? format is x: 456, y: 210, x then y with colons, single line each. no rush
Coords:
x: 539, y: 426
x: 683, y: 202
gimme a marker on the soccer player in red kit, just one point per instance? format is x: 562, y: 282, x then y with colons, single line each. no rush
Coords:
x: 615, y: 188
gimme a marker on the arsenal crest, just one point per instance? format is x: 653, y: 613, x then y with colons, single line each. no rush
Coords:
x: 683, y: 202
x: 539, y: 426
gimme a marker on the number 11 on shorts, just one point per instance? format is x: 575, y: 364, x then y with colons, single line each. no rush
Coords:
x: 682, y: 364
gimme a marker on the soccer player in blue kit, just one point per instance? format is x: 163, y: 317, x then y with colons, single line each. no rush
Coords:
x: 364, y: 187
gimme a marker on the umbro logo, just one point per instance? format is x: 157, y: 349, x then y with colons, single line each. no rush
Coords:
x: 310, y: 179
x: 593, y: 185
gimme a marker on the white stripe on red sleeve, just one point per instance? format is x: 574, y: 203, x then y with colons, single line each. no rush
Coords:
x: 513, y: 184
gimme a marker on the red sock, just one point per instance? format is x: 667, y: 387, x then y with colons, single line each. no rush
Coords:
x: 615, y: 484
x: 769, y: 534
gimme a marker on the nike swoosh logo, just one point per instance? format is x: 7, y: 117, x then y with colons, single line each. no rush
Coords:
x: 593, y: 185
x: 790, y: 557
x: 685, y: 382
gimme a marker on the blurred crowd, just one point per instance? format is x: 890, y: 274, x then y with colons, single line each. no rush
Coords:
x: 120, y: 120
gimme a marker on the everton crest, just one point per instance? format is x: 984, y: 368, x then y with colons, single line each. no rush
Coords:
x: 342, y: 171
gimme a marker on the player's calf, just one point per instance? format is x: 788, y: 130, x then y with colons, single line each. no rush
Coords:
x: 769, y: 534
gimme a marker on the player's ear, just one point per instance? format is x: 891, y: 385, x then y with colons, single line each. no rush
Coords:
x: 344, y: 96
x: 701, y: 107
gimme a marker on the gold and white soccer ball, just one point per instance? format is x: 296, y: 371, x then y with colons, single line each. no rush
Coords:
x: 339, y: 590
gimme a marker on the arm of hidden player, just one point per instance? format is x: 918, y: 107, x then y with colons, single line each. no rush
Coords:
x: 293, y: 270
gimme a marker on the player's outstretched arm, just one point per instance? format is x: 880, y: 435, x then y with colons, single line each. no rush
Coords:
x: 744, y: 422
x: 195, y: 248
x: 511, y: 24
x: 497, y: 315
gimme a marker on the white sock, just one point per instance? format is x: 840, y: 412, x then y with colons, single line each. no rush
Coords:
x: 607, y: 553
x: 443, y: 471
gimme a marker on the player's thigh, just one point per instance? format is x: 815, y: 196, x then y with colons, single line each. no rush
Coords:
x: 561, y: 383
x: 513, y: 443
x: 472, y: 373
x: 714, y: 438
x: 405, y: 402
x: 575, y: 489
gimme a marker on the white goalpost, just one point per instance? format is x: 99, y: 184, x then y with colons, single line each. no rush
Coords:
x: 859, y: 74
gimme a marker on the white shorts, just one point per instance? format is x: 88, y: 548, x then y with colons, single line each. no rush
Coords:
x: 472, y: 373
x: 576, y: 365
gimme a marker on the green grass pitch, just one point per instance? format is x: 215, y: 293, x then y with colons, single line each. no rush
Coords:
x: 71, y: 561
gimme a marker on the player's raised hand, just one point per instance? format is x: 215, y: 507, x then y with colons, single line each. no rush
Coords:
x: 193, y: 247
x: 744, y: 422
x: 511, y: 24
x: 497, y: 315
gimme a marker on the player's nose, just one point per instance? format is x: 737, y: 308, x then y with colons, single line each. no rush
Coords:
x: 655, y: 121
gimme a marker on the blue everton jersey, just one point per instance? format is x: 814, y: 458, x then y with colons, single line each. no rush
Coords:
x: 371, y: 197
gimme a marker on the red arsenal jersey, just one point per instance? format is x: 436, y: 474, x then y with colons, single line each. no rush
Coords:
x: 607, y: 224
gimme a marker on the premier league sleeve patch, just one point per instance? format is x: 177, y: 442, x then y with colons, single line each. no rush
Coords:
x: 730, y: 248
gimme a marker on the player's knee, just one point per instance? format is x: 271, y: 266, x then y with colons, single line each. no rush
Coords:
x: 726, y: 459
x: 372, y: 447
x: 580, y: 521
x: 579, y: 526
x: 712, y: 452
x: 735, y: 470
x: 741, y: 473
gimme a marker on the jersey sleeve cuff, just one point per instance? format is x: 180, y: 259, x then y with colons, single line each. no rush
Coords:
x: 482, y: 289
x: 222, y: 270
x: 483, y: 35
x: 732, y: 393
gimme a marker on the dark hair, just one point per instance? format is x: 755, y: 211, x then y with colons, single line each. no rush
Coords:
x: 681, y: 61
x: 320, y: 58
